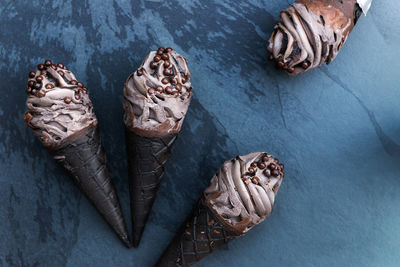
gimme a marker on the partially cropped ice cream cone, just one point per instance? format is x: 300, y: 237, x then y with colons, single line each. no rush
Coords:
x: 239, y: 196
x: 311, y: 33
x: 61, y: 115
x: 156, y: 98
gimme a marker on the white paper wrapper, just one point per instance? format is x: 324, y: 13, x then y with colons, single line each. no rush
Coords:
x: 365, y: 5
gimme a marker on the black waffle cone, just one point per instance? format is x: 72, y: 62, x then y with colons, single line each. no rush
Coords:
x: 85, y: 160
x: 202, y: 233
x: 147, y: 157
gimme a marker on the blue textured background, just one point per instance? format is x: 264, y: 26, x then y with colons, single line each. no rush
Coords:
x: 337, y: 129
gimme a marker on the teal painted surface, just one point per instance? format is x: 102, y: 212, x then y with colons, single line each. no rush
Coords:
x: 336, y: 129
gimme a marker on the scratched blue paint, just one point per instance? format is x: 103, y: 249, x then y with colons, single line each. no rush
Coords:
x: 336, y: 129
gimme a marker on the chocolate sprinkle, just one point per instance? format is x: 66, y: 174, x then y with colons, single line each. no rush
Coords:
x: 49, y: 86
x: 48, y: 63
x: 153, y: 65
x: 168, y: 90
x: 67, y: 99
x: 165, y: 56
x: 157, y: 58
x: 167, y: 72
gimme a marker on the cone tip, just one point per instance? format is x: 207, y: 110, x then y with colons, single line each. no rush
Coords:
x: 136, y: 242
x: 126, y: 241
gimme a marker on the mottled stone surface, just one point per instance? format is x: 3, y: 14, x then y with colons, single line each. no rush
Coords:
x: 337, y: 129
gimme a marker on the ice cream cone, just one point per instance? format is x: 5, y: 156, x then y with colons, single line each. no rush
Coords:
x: 156, y: 98
x: 240, y: 196
x: 311, y: 33
x: 61, y: 115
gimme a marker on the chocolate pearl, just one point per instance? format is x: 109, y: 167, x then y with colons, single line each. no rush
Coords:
x: 243, y: 175
x: 160, y: 52
x: 43, y: 72
x: 265, y: 159
x: 32, y: 74
x: 40, y: 67
x: 48, y: 63
x: 173, y: 80
x: 80, y: 84
x: 167, y: 72
x: 179, y: 87
x: 247, y: 181
x: 31, y: 83
x: 33, y: 91
x: 280, y: 64
x: 77, y: 96
x: 67, y: 99
x: 153, y: 65
x: 38, y: 85
x: 253, y: 164
x: 255, y: 180
x: 28, y: 90
x: 60, y: 65
x: 157, y: 58
x: 167, y: 64
x: 165, y: 80
x: 74, y: 82
x: 61, y: 73
x: 151, y: 91
x: 161, y: 49
x: 169, y: 49
x: 168, y: 90
x: 305, y: 65
x: 290, y: 70
x: 85, y: 89
x: 275, y: 173
x: 267, y: 172
x: 54, y: 66
x: 49, y: 86
x: 165, y: 56
x: 276, y: 161
x: 272, y: 166
x: 285, y: 67
x: 160, y: 89
x: 139, y: 72
x: 252, y: 170
x: 282, y: 166
x: 41, y: 93
x: 39, y: 79
x: 183, y: 80
x: 271, y: 57
x: 261, y: 165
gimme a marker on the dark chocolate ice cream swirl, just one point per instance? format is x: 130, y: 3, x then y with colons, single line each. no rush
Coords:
x: 59, y: 108
x: 243, y: 191
x: 311, y: 32
x: 158, y: 94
